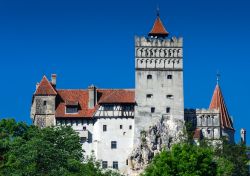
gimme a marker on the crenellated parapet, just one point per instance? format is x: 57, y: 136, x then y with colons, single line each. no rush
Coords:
x: 159, y: 53
x: 158, y: 42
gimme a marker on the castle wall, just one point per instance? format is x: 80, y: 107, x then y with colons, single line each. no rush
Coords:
x: 123, y: 138
x: 43, y: 111
x: 159, y: 81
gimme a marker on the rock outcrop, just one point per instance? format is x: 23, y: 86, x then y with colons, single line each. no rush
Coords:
x: 163, y: 134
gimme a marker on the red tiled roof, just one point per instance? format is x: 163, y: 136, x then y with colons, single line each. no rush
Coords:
x: 218, y: 102
x: 45, y: 88
x: 158, y: 29
x: 116, y: 96
x: 66, y: 97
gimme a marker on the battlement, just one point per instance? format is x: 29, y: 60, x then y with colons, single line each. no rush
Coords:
x: 201, y: 111
x: 158, y: 42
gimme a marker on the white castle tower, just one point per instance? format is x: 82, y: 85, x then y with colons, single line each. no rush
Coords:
x: 158, y: 78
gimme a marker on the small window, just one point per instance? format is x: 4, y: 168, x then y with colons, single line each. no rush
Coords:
x: 83, y: 139
x: 152, y: 109
x: 44, y: 103
x: 84, y: 128
x: 104, y: 164
x: 120, y: 126
x: 169, y: 76
x: 126, y: 162
x: 168, y: 110
x: 149, y: 95
x: 130, y: 127
x: 115, y: 164
x: 149, y: 76
x: 71, y: 109
x: 113, y: 144
x: 104, y: 127
x: 170, y: 96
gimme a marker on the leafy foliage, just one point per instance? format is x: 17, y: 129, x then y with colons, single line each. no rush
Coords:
x: 28, y: 150
x: 182, y: 160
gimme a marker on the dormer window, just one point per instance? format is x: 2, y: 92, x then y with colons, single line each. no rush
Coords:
x: 71, y: 109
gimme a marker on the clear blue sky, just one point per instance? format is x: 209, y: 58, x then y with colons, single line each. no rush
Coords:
x: 92, y: 42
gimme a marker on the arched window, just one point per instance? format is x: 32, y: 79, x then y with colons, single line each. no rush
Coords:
x: 149, y: 76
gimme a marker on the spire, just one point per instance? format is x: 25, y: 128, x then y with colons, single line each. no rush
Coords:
x: 218, y: 77
x: 218, y: 102
x: 158, y: 29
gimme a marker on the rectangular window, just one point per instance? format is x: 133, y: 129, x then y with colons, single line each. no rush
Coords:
x: 44, y: 103
x: 120, y: 126
x: 113, y: 144
x: 168, y: 110
x: 71, y: 109
x: 104, y: 128
x: 130, y: 127
x: 152, y: 109
x: 169, y: 76
x: 104, y: 164
x: 83, y: 139
x: 149, y: 95
x: 115, y: 164
x: 170, y: 96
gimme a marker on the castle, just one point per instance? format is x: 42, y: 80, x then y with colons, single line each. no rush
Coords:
x: 110, y: 121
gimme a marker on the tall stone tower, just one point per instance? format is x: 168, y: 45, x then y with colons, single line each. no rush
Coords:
x: 44, y: 103
x: 158, y: 78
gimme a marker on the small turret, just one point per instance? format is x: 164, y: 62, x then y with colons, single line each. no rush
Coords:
x: 44, y: 102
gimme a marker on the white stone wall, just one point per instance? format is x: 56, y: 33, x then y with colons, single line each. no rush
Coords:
x: 157, y: 58
x: 123, y: 137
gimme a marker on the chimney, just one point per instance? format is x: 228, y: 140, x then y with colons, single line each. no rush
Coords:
x: 92, y: 96
x: 243, y: 133
x: 53, y: 80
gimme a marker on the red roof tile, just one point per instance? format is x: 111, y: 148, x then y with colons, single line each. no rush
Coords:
x: 218, y: 102
x: 117, y: 96
x: 45, y: 88
x: 69, y: 97
x: 158, y: 29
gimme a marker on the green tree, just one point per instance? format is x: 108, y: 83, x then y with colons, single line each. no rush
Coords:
x: 56, y: 151
x: 236, y: 154
x: 182, y: 160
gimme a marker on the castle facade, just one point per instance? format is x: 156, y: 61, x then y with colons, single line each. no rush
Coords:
x: 110, y: 121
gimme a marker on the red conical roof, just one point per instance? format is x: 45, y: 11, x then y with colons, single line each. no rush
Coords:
x: 45, y: 88
x: 218, y: 102
x: 158, y: 29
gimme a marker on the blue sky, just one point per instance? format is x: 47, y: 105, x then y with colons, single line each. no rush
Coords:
x: 92, y: 42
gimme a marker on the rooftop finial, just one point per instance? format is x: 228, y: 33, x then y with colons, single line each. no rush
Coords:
x: 158, y: 11
x: 218, y: 77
